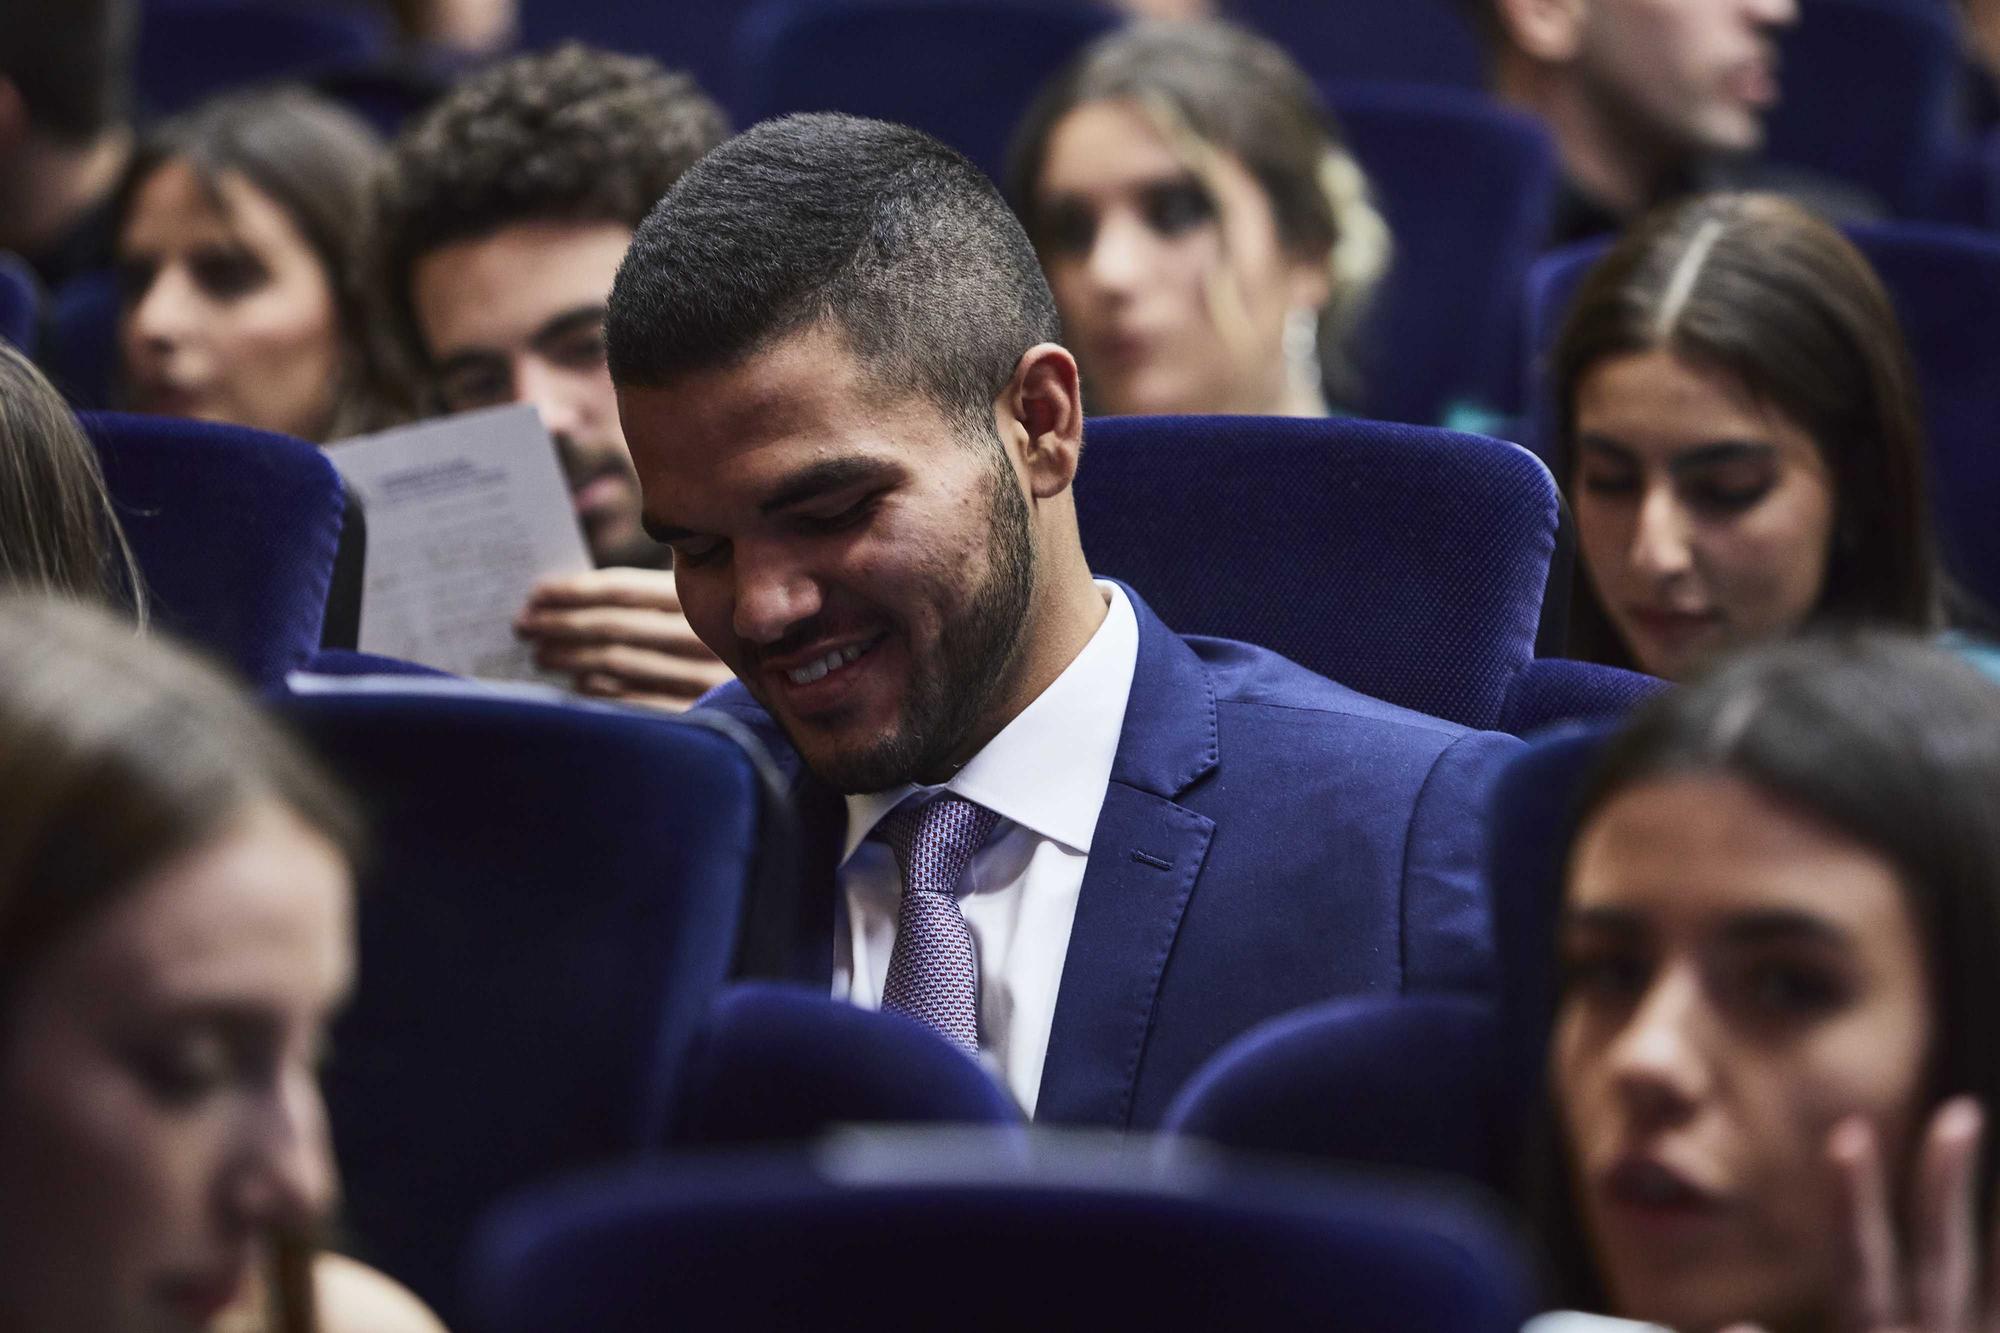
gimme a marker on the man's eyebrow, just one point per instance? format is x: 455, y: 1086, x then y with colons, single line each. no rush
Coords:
x: 817, y: 479
x: 1602, y: 445
x: 664, y: 533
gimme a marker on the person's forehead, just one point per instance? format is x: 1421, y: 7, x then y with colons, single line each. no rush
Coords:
x: 1754, y: 853
x: 501, y: 287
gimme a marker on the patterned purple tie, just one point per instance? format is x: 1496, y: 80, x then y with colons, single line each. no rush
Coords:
x: 933, y: 975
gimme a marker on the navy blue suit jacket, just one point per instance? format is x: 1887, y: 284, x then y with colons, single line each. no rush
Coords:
x: 1269, y: 839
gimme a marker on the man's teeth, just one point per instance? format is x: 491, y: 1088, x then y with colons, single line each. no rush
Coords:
x: 833, y: 661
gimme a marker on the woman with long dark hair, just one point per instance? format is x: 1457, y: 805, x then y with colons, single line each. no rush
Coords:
x: 1778, y: 1039
x: 1739, y: 438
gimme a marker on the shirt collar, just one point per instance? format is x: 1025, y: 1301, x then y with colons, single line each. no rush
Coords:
x: 1048, y: 769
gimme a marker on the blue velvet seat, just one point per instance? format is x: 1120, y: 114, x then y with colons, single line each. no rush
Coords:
x: 190, y: 50
x: 776, y: 1063
x: 1895, y: 141
x: 901, y: 1233
x: 1468, y: 188
x: 1381, y: 1080
x: 20, y: 303
x: 963, y: 71
x: 1403, y: 561
x: 553, y: 903
x: 1553, y: 690
x: 1408, y: 41
x: 1945, y: 283
x: 1530, y: 823
x: 235, y: 532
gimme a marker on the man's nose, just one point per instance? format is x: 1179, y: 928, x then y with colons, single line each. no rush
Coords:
x: 553, y: 394
x: 774, y: 593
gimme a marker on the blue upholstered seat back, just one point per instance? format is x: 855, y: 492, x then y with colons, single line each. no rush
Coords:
x: 1405, y: 562
x: 902, y: 1233
x: 235, y: 531
x: 551, y: 908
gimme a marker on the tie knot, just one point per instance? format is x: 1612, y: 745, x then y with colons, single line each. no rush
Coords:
x: 934, y: 842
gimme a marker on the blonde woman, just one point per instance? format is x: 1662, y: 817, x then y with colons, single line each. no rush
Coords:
x: 1209, y: 238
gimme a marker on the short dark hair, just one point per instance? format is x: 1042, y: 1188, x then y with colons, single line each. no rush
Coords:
x: 71, y: 61
x: 570, y: 135
x: 315, y: 160
x: 1783, y: 304
x: 1894, y: 742
x: 876, y: 229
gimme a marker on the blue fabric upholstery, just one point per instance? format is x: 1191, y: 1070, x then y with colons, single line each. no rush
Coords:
x: 1945, y: 283
x: 964, y: 71
x: 777, y: 1062
x: 82, y: 331
x: 900, y: 1233
x: 347, y: 662
x: 1404, y: 562
x: 1468, y: 189
x: 235, y: 531
x: 20, y: 303
x: 698, y: 38
x: 1895, y: 141
x: 190, y: 50
x: 1550, y: 690
x: 1409, y: 41
x: 1529, y: 828
x: 551, y: 908
x: 1401, y: 1081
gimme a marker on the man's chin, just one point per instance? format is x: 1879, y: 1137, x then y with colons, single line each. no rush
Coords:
x: 857, y: 768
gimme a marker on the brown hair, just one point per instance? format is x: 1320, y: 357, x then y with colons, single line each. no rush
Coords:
x: 119, y: 753
x: 573, y: 135
x: 317, y: 162
x: 1755, y: 287
x: 58, y: 532
x: 1215, y: 86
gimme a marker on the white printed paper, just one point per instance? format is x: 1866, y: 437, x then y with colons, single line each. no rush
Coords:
x: 465, y: 513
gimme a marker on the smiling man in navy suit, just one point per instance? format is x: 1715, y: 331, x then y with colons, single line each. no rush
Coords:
x: 1086, y: 849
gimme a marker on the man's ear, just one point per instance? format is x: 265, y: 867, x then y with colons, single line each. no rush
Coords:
x: 1040, y: 418
x: 1550, y: 31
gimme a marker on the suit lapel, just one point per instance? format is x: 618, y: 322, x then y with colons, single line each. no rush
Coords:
x: 1146, y: 854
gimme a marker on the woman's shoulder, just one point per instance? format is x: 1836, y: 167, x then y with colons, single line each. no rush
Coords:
x: 354, y: 1298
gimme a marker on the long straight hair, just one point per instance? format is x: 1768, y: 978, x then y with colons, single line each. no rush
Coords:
x: 59, y: 533
x: 1757, y: 288
x: 1894, y: 742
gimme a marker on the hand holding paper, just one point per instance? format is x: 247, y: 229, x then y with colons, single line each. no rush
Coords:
x: 619, y: 634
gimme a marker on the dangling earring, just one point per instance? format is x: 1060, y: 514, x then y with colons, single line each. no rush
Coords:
x: 1300, y: 342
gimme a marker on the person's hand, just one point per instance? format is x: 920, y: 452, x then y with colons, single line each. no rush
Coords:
x: 619, y: 634
x: 1938, y: 1287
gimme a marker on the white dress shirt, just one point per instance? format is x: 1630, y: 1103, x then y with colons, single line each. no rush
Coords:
x: 1045, y: 775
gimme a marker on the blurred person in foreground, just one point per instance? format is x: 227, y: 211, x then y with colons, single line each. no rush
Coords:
x: 1084, y: 849
x: 1777, y: 1045
x: 175, y: 936
x: 501, y: 220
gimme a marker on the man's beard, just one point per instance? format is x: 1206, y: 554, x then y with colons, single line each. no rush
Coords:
x: 976, y: 654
